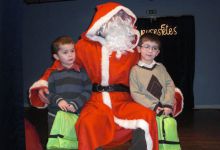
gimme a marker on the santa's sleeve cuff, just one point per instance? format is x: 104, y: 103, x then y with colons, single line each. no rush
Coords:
x: 178, y: 102
x: 33, y: 94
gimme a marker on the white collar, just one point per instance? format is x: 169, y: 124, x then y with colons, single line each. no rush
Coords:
x: 142, y: 64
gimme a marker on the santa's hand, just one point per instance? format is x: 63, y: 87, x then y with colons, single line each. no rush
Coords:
x: 42, y: 95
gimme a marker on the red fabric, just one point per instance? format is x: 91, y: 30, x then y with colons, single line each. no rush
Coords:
x: 103, y: 10
x: 31, y: 137
x: 34, y: 98
x: 95, y: 126
x: 178, y: 104
x: 120, y: 134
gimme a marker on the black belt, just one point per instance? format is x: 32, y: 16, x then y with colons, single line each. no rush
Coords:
x: 110, y: 88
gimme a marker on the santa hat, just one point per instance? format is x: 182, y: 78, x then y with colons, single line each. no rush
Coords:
x: 103, y: 14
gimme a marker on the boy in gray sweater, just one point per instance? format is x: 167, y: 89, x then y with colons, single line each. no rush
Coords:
x: 69, y: 86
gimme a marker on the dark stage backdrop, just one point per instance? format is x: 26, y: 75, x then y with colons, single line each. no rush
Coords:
x: 177, y: 36
x: 11, y: 101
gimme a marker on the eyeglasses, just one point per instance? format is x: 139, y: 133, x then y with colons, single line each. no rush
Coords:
x: 148, y: 47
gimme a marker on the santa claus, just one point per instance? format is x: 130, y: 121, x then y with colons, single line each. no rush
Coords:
x: 106, y: 51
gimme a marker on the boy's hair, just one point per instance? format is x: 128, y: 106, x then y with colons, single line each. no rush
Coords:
x: 60, y: 41
x: 149, y: 37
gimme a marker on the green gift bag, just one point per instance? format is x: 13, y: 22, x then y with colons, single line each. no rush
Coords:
x: 167, y: 133
x: 62, y: 135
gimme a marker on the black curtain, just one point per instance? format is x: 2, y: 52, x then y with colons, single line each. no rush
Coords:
x: 177, y: 35
x: 12, y: 121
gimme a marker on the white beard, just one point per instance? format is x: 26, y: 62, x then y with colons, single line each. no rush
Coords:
x: 119, y: 35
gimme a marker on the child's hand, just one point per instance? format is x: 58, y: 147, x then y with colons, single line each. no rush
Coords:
x: 63, y: 105
x: 159, y: 109
x: 167, y: 111
x: 71, y: 108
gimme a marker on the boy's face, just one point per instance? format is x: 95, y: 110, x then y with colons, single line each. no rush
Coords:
x: 149, y: 50
x: 66, y: 55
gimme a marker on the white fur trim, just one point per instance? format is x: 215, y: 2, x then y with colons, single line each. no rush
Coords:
x: 134, y: 124
x: 105, y: 76
x: 92, y: 31
x: 106, y: 99
x: 38, y: 84
x: 105, y: 66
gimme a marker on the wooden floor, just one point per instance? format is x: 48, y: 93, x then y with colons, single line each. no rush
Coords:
x: 198, y: 129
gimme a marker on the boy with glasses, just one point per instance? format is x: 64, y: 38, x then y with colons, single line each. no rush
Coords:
x: 150, y: 83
